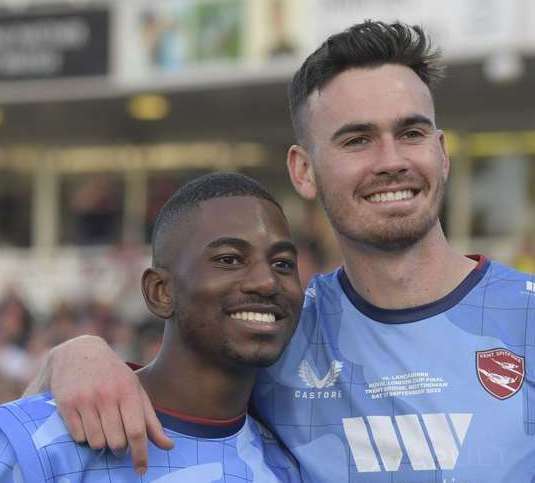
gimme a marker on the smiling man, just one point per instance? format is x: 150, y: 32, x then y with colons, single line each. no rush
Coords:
x: 224, y: 277
x: 412, y: 363
x: 388, y: 164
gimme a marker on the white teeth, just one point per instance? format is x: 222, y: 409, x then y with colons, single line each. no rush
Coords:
x: 391, y: 196
x: 253, y: 316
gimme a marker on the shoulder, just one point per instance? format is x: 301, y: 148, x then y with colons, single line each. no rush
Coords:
x: 26, y: 424
x: 323, y: 289
x: 273, y: 453
x: 500, y: 270
x: 28, y: 411
x: 9, y: 467
x: 326, y: 280
x: 503, y: 280
x: 504, y: 294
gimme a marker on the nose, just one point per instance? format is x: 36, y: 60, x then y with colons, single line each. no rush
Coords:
x: 390, y: 157
x: 260, y: 279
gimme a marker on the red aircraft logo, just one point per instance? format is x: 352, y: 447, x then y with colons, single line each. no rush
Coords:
x: 500, y: 372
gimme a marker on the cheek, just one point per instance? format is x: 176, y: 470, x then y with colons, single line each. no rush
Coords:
x: 196, y: 292
x: 340, y: 173
x: 438, y: 159
x: 440, y: 171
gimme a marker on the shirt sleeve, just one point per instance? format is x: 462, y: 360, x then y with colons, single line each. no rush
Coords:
x: 9, y: 468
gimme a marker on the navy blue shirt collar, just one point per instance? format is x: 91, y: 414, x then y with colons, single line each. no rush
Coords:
x: 413, y: 314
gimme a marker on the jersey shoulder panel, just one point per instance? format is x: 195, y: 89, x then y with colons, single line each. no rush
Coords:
x: 501, y: 306
x: 20, y: 421
x: 9, y: 468
x: 506, y: 285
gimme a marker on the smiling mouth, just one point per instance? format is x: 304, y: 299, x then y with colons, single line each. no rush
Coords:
x: 265, y: 317
x: 386, y: 196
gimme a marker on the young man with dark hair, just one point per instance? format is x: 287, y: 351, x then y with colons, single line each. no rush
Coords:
x: 411, y: 362
x: 224, y: 279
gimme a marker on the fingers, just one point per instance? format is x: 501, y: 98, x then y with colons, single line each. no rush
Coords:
x: 112, y: 423
x: 154, y: 428
x: 73, y: 422
x: 102, y: 401
x: 93, y: 428
x: 112, y: 426
x: 82, y: 420
x: 133, y: 424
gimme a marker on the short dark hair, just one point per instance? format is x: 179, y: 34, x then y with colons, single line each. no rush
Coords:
x: 190, y: 195
x: 368, y: 44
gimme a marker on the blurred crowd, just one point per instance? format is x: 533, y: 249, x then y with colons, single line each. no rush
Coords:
x: 25, y: 338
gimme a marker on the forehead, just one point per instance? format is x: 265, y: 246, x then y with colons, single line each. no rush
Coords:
x: 252, y: 219
x: 375, y: 95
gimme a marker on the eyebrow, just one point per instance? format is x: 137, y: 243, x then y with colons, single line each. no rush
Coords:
x: 353, y: 127
x: 412, y: 120
x: 236, y: 242
x: 284, y: 246
x: 368, y: 126
x: 280, y: 246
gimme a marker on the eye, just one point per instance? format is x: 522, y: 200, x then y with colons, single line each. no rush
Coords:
x: 412, y: 134
x: 356, y: 141
x: 284, y: 265
x: 228, y: 260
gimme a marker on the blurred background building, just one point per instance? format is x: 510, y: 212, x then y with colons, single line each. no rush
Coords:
x: 106, y: 107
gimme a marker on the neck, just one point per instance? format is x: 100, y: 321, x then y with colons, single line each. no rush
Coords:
x: 418, y: 275
x: 179, y: 381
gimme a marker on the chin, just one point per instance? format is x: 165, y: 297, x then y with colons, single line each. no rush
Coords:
x: 266, y: 362
x: 263, y: 360
x: 401, y: 234
x: 257, y: 359
x: 397, y: 242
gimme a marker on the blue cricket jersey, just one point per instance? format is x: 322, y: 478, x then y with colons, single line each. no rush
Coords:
x: 442, y: 393
x: 35, y: 447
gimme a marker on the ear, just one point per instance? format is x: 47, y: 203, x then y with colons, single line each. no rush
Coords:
x: 445, y: 156
x: 301, y: 171
x: 157, y: 291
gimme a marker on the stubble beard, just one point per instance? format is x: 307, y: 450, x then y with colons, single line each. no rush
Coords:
x: 397, y: 233
x: 225, y: 353
x: 256, y: 358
